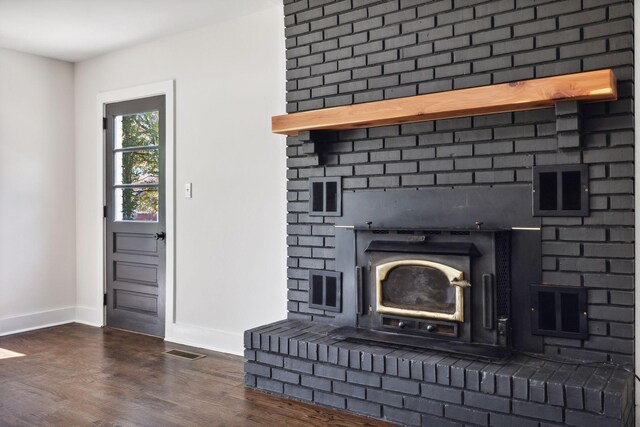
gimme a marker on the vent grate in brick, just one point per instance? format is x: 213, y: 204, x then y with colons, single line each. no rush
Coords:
x: 325, y: 196
x: 559, y: 311
x: 325, y: 290
x: 561, y: 190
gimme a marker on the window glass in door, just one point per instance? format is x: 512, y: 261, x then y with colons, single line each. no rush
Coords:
x: 136, y: 166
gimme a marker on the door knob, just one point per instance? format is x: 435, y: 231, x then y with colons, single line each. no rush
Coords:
x: 159, y: 236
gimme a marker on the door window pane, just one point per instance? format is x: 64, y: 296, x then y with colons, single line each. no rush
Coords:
x: 136, y: 130
x: 137, y: 167
x: 136, y: 204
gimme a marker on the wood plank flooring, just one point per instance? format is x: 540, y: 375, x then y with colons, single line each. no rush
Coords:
x: 75, y: 375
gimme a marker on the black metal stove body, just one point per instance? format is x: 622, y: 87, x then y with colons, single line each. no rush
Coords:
x: 406, y: 257
x: 448, y: 285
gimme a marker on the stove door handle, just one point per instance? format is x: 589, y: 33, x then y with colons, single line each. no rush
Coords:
x: 461, y: 283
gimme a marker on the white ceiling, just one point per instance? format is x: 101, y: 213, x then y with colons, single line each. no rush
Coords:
x: 75, y: 30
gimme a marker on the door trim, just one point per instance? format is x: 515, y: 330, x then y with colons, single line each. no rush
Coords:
x: 166, y: 88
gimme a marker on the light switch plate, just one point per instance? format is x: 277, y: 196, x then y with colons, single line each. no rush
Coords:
x: 187, y: 190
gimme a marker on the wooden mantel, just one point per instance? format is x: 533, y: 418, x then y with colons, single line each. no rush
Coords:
x: 516, y: 96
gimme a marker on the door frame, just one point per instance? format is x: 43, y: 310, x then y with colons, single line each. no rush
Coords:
x: 166, y: 88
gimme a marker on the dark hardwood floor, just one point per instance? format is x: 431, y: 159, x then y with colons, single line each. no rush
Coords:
x: 75, y: 375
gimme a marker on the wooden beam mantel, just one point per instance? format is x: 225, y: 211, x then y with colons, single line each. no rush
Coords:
x: 515, y: 96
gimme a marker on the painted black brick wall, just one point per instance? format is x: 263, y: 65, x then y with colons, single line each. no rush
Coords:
x: 353, y: 51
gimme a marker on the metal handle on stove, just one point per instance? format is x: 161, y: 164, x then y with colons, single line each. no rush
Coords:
x: 461, y: 283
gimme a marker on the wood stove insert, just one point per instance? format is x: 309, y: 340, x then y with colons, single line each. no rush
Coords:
x: 420, y: 280
x: 434, y: 288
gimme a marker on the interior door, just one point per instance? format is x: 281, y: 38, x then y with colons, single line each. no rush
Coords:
x: 135, y: 215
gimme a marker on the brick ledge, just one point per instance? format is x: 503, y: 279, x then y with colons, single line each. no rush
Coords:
x: 300, y: 358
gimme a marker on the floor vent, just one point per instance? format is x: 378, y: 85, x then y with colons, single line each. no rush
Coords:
x: 186, y: 355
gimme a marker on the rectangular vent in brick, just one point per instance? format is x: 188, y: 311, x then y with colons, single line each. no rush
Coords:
x: 325, y: 196
x: 559, y: 311
x: 561, y: 190
x: 325, y: 290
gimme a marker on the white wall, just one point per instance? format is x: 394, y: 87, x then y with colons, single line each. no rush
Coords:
x: 37, y: 207
x: 231, y: 239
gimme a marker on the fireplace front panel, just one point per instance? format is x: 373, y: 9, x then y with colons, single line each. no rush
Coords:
x: 435, y: 284
x: 500, y: 261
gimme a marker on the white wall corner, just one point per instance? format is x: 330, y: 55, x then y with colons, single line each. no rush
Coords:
x: 43, y: 319
x: 37, y: 251
x: 210, y: 339
x: 89, y: 316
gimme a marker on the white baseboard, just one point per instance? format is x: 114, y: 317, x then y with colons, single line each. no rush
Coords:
x: 179, y: 333
x: 89, y: 316
x: 43, y: 319
x: 210, y: 339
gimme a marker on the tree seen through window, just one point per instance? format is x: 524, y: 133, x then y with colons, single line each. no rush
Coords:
x: 140, y: 167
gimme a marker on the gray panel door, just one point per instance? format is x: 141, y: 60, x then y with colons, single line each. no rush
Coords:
x: 135, y: 215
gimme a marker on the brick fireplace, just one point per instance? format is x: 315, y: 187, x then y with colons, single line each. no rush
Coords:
x: 531, y: 345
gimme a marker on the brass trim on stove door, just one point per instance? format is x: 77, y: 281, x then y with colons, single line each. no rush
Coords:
x: 456, y: 278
